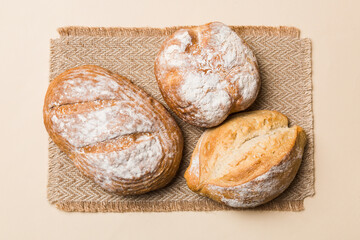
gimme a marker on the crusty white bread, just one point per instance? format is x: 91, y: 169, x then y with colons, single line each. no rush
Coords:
x: 114, y: 132
x: 207, y: 72
x: 248, y: 160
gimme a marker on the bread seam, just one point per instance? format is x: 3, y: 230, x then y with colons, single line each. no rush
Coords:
x: 268, y: 133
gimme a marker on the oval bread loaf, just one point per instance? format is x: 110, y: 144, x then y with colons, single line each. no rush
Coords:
x: 207, y: 72
x: 248, y: 160
x: 114, y: 132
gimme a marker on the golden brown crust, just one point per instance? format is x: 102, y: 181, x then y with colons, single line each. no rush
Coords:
x: 205, y: 73
x: 248, y: 160
x: 115, y: 133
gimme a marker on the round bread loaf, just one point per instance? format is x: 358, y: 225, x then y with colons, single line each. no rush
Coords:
x: 207, y: 72
x: 114, y: 132
x: 248, y: 160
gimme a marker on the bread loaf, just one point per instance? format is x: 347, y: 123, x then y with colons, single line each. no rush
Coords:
x: 114, y: 132
x: 205, y: 73
x: 248, y: 160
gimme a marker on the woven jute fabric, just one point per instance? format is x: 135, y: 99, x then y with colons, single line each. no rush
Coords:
x: 285, y: 67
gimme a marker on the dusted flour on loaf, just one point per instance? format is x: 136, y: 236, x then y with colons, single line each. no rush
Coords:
x: 113, y: 131
x: 207, y: 72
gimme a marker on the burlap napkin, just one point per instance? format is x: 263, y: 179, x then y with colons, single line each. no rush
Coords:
x: 285, y: 66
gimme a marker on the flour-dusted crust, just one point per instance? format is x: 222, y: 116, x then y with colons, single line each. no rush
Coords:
x: 207, y: 72
x: 248, y: 160
x: 114, y: 132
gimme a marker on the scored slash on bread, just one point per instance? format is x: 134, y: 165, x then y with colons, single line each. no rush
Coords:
x: 114, y: 132
x: 248, y: 160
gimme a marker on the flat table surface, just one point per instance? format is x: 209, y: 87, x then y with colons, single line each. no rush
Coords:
x: 27, y: 26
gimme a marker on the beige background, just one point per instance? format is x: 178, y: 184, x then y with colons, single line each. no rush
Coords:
x: 25, y: 30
